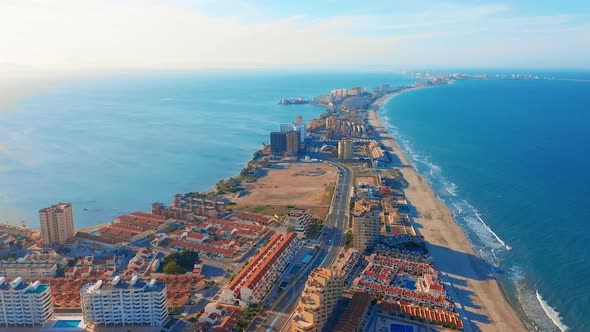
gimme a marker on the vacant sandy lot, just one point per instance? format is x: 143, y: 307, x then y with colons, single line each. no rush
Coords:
x: 365, y: 180
x: 297, y: 184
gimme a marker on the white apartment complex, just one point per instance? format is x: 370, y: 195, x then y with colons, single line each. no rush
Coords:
x: 23, y: 303
x: 318, y: 300
x: 300, y: 220
x: 28, y: 269
x: 122, y: 302
x: 57, y: 223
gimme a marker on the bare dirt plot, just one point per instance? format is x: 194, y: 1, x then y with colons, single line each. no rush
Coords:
x: 296, y: 184
x: 366, y: 180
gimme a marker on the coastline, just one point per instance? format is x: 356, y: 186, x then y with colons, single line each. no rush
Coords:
x: 482, y: 298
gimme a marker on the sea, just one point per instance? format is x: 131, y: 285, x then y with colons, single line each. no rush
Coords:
x: 509, y: 157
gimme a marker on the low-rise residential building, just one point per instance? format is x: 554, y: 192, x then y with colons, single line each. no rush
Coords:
x: 23, y: 303
x: 125, y: 302
x: 220, y: 318
x: 350, y: 260
x: 28, y: 269
x: 318, y: 300
x: 254, y: 281
x: 90, y: 267
x: 300, y: 220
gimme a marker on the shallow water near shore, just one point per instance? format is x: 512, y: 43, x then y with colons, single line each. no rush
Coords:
x: 507, y: 158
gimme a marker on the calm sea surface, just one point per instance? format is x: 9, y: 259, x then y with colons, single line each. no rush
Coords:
x: 114, y: 145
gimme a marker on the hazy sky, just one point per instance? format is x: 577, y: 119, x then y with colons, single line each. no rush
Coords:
x: 177, y: 34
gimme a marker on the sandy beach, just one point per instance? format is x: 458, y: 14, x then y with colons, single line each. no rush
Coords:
x: 473, y: 284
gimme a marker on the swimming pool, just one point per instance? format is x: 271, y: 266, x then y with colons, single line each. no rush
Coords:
x: 96, y: 233
x: 401, y: 328
x: 409, y: 284
x: 65, y: 324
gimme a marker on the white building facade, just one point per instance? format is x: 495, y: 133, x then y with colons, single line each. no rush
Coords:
x: 122, y: 302
x: 23, y: 303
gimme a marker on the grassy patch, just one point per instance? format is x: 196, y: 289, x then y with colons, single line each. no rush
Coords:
x: 328, y: 193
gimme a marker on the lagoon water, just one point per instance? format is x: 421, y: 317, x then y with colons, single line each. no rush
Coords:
x: 509, y: 157
x: 113, y: 145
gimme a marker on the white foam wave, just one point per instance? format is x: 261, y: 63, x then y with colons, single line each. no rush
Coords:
x: 492, y: 232
x: 451, y: 188
x: 551, y: 313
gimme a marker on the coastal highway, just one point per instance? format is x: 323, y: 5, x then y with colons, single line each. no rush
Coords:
x: 277, y: 316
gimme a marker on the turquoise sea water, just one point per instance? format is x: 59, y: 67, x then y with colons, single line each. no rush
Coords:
x: 510, y: 158
x: 113, y: 145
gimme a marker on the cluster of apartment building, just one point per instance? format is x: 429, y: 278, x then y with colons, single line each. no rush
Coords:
x: 116, y: 300
x: 66, y: 291
x: 214, y: 237
x: 141, y: 262
x: 217, y: 317
x: 257, y: 218
x: 397, y: 279
x: 255, y: 280
x: 88, y: 266
x: 28, y: 268
x: 125, y: 229
x: 318, y: 300
x: 6, y: 239
x: 350, y: 261
x: 186, y: 207
x: 429, y: 315
x: 336, y: 128
x: 289, y: 138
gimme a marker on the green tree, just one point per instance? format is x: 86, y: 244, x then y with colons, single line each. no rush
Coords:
x: 172, y: 268
x: 349, y: 237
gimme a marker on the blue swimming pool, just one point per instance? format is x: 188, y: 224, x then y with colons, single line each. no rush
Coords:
x: 401, y: 328
x: 410, y: 284
x: 64, y: 324
x: 96, y: 233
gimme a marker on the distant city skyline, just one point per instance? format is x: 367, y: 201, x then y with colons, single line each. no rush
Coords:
x: 204, y: 34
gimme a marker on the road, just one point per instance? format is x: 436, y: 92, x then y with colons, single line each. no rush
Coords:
x: 331, y: 241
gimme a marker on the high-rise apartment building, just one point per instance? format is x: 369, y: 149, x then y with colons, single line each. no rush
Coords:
x: 125, y: 302
x: 57, y: 223
x: 344, y: 149
x: 318, y: 300
x: 298, y: 127
x: 331, y: 122
x: 23, y: 303
x: 366, y: 228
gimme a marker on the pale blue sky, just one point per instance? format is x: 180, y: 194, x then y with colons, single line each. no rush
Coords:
x: 178, y: 34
